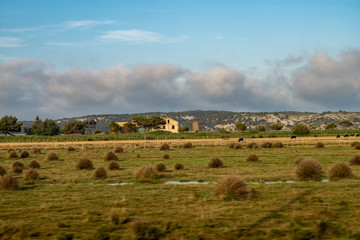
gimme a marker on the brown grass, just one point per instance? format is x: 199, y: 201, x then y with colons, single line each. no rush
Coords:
x: 34, y: 164
x: 8, y: 182
x: 118, y: 150
x: 35, y: 150
x: 277, y: 145
x: 100, y: 173
x: 17, y: 167
x: 146, y: 173
x: 11, y: 150
x: 32, y: 174
x: 70, y: 149
x: 160, y: 167
x: 84, y: 164
x: 179, y: 166
x: 252, y: 145
x: 12, y: 154
x: 164, y: 147
x: 319, y: 145
x: 215, y: 163
x: 266, y: 145
x: 340, y: 170
x: 354, y: 143
x: 2, y: 171
x: 231, y: 187
x: 309, y: 169
x: 143, y: 230
x: 51, y: 157
x: 252, y: 158
x: 166, y: 156
x: 355, y: 160
x: 110, y: 156
x: 113, y: 165
x: 24, y: 154
x: 188, y: 145
x: 357, y: 146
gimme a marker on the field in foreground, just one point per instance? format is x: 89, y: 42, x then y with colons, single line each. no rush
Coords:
x: 67, y: 203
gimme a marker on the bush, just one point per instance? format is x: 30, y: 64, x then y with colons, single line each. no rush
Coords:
x: 2, y: 171
x: 32, y: 174
x: 179, y: 166
x: 252, y: 145
x: 353, y: 144
x: 166, y: 156
x: 355, y: 160
x: 34, y: 164
x: 52, y: 157
x: 160, y: 167
x: 188, y: 145
x: 8, y: 182
x: 24, y: 154
x: 357, y: 146
x: 340, y: 170
x: 18, y: 167
x: 231, y: 187
x: 252, y: 158
x: 278, y: 145
x: 84, y: 163
x: 113, y: 166
x: 100, y: 173
x: 215, y: 163
x: 301, y: 130
x: 12, y: 154
x: 118, y: 150
x: 165, y: 146
x: 110, y: 156
x: 146, y: 173
x: 70, y: 149
x: 319, y: 145
x: 266, y: 145
x: 309, y: 169
x: 35, y: 150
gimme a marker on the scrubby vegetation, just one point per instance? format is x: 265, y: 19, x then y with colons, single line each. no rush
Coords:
x: 118, y: 150
x: 113, y: 165
x: 231, y: 187
x: 52, y: 157
x: 252, y: 158
x: 84, y: 163
x: 165, y: 146
x: 8, y: 182
x: 309, y: 169
x: 146, y: 173
x: 34, y: 164
x: 215, y: 162
x: 100, y: 173
x: 110, y: 156
x: 340, y: 170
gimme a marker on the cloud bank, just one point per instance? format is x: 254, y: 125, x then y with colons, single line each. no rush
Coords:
x: 29, y: 88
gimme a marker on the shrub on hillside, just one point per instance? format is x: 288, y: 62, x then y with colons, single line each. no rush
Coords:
x: 70, y: 149
x: 52, y: 157
x: 278, y: 145
x: 118, y: 150
x: 188, y: 145
x: 231, y: 187
x: 355, y: 160
x: 146, y: 173
x: 35, y: 150
x: 252, y: 158
x: 100, y: 173
x: 166, y: 156
x: 179, y: 166
x: 215, y: 163
x: 319, y: 145
x: 24, y: 154
x: 266, y: 145
x: 8, y: 182
x: 113, y: 165
x: 340, y: 170
x: 165, y: 146
x: 34, y: 164
x: 2, y: 171
x: 110, y: 156
x: 84, y: 163
x: 32, y: 174
x: 17, y: 167
x: 160, y: 167
x: 309, y: 169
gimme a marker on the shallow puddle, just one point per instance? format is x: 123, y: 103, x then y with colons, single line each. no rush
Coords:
x: 185, y: 183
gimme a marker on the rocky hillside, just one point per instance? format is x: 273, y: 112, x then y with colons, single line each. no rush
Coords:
x: 214, y: 120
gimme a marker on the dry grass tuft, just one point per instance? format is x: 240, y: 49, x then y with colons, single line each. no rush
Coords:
x: 252, y: 158
x: 100, y: 173
x: 266, y: 145
x: 115, y: 215
x: 113, y: 165
x: 160, y: 167
x: 24, y: 154
x: 297, y: 161
x: 11, y: 150
x: 143, y: 230
x: 2, y: 171
x: 165, y: 146
x: 252, y: 145
x: 188, y: 145
x: 340, y: 170
x: 215, y: 163
x: 35, y: 150
x: 231, y: 187
x: 32, y: 174
x: 309, y: 169
x: 231, y: 145
x: 357, y: 146
x: 110, y: 156
x: 179, y: 166
x: 237, y: 146
x: 278, y: 145
x: 34, y: 164
x: 166, y: 156
x: 319, y: 145
x: 70, y: 149
x: 51, y: 157
x: 17, y: 167
x: 146, y: 173
x: 12, y: 154
x: 353, y: 144
x: 118, y: 150
x: 8, y: 182
x: 84, y: 163
x: 355, y: 160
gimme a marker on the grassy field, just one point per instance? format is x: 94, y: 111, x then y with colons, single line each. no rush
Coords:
x: 66, y: 203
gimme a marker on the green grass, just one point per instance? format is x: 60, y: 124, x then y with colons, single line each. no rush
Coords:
x: 69, y: 201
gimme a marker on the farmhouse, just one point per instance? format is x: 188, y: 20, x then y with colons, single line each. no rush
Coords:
x: 171, y: 125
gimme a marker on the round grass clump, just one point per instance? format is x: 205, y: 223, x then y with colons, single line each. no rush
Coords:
x: 17, y: 167
x: 252, y: 158
x: 231, y: 187
x: 70, y: 149
x: 309, y: 169
x: 340, y: 170
x: 32, y: 174
x: 237, y: 146
x: 160, y: 167
x: 34, y: 164
x: 2, y: 171
x: 35, y: 150
x: 319, y: 145
x: 231, y: 145
x: 113, y: 165
x: 355, y: 160
x: 8, y: 182
x: 164, y: 147
x: 179, y: 166
x: 166, y: 156
x: 215, y: 163
x: 12, y: 154
x: 110, y: 156
x: 84, y: 163
x: 357, y: 146
x: 353, y: 144
x: 252, y: 145
x: 52, y: 157
x: 100, y: 173
x: 24, y: 154
x: 266, y: 145
x: 188, y: 145
x: 11, y: 150
x: 277, y: 145
x: 118, y: 150
x: 146, y: 173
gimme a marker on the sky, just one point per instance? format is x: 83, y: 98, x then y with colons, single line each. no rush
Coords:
x: 66, y: 58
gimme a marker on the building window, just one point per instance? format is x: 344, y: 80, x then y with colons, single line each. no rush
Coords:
x: 168, y: 121
x: 173, y: 127
x: 163, y: 127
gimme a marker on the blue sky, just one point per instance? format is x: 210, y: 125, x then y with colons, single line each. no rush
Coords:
x: 208, y: 52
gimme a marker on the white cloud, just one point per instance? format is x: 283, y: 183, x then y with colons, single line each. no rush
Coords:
x: 85, y: 24
x: 61, y: 44
x: 17, y: 30
x: 7, y: 42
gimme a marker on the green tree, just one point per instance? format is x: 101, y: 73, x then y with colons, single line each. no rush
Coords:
x: 184, y: 129
x: 240, y: 127
x: 331, y: 126
x: 148, y: 123
x: 114, y: 127
x: 346, y: 123
x: 139, y: 120
x: 301, y: 130
x: 129, y: 127
x: 44, y: 128
x: 276, y: 127
x: 9, y: 124
x: 90, y: 124
x: 261, y: 128
x: 76, y: 127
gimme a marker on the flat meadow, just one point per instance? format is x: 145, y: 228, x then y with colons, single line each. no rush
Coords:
x: 68, y: 203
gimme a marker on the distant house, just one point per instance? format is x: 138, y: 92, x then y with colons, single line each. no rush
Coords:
x: 171, y: 125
